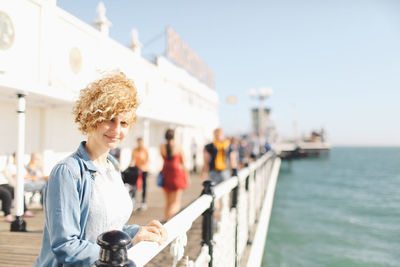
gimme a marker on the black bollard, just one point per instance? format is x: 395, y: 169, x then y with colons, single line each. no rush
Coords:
x: 18, y: 225
x: 208, y: 220
x: 113, y: 250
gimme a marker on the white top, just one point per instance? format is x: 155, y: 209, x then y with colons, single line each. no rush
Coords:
x: 110, y: 204
x: 6, y: 176
x: 3, y: 178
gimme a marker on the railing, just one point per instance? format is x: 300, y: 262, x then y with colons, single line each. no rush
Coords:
x: 243, y: 200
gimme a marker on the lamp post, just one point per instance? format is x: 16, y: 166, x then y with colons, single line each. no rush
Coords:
x: 261, y: 94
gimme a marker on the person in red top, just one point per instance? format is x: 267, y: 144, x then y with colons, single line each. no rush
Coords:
x: 175, y: 175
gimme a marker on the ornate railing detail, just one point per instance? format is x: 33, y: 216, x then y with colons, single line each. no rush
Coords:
x: 241, y: 203
x: 177, y: 248
x: 251, y: 209
x: 243, y: 233
x: 224, y: 238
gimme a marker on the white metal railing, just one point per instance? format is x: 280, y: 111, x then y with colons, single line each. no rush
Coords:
x: 254, y: 195
x: 260, y: 236
x: 144, y: 251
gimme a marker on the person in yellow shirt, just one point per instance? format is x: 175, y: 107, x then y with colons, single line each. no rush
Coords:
x: 217, y: 156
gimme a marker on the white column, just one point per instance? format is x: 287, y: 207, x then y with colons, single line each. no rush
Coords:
x: 19, y: 188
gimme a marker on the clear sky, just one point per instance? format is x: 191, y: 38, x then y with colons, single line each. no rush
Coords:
x: 331, y: 63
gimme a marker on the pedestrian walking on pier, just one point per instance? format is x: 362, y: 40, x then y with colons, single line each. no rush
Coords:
x: 216, y: 158
x: 140, y: 160
x: 175, y: 174
x: 85, y: 195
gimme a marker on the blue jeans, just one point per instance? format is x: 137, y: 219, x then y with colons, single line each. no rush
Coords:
x: 38, y: 186
x: 218, y: 176
x: 31, y: 186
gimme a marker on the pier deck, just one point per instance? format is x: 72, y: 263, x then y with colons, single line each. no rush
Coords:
x: 21, y: 249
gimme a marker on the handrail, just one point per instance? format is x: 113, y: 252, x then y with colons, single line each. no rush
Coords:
x: 243, y: 173
x: 260, y: 236
x: 144, y: 252
x: 225, y: 187
x: 228, y: 185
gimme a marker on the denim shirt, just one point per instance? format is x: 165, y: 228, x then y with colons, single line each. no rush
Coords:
x: 66, y: 207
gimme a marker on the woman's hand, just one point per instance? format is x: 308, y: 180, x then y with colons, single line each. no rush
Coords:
x: 153, y: 232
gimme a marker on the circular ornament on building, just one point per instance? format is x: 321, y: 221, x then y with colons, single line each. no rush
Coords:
x: 75, y: 60
x: 7, y: 32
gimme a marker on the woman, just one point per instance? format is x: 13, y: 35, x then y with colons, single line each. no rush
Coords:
x: 35, y: 180
x: 175, y: 175
x: 35, y: 168
x: 85, y: 196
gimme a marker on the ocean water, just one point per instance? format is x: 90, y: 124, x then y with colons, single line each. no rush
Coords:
x: 342, y: 209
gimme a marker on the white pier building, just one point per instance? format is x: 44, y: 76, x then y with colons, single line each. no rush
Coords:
x: 48, y: 55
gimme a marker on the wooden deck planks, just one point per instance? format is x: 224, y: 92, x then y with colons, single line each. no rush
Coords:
x: 21, y: 249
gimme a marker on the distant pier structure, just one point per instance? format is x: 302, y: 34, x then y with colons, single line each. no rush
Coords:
x: 291, y: 150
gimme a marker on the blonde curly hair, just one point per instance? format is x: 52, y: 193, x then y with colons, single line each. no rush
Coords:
x: 104, y: 99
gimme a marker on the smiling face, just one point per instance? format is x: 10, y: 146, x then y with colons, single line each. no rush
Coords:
x: 110, y: 133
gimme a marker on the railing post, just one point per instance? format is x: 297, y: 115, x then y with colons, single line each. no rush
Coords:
x: 113, y: 251
x: 251, y: 174
x: 235, y: 200
x: 208, y: 220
